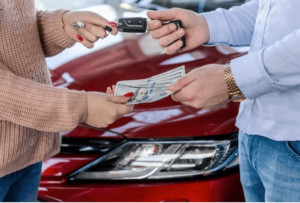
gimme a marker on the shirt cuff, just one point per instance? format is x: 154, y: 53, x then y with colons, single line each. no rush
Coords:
x: 218, y: 28
x: 250, y: 75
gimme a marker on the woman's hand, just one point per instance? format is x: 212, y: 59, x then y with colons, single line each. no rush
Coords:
x: 104, y: 109
x: 93, y: 30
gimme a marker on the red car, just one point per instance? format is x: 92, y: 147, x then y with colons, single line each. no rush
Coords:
x: 163, y: 151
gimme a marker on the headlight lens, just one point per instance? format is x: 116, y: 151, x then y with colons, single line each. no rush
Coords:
x: 161, y: 160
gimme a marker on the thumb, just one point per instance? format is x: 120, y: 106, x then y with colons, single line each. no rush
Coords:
x: 164, y: 15
x: 118, y: 99
x: 181, y: 83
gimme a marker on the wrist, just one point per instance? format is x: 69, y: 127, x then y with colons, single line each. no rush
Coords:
x: 203, y: 28
x: 235, y: 93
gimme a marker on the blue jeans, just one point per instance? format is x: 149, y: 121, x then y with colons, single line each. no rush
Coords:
x: 270, y: 170
x: 21, y: 186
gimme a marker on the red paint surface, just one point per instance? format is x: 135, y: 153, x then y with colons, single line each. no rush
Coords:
x: 161, y: 119
x: 216, y: 190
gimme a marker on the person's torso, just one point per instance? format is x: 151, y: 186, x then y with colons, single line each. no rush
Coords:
x: 275, y: 115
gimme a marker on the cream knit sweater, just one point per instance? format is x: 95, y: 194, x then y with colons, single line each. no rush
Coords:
x: 32, y: 112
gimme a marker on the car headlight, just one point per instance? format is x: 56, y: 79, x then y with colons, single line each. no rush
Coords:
x: 161, y: 160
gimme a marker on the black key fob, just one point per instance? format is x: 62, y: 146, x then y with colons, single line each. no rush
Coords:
x: 179, y: 25
x: 139, y: 25
x: 134, y: 25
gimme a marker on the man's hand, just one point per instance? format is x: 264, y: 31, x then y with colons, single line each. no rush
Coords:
x: 195, y: 29
x: 203, y: 87
x: 93, y: 30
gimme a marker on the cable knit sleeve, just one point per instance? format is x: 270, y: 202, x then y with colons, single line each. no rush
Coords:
x: 51, y: 30
x: 40, y: 106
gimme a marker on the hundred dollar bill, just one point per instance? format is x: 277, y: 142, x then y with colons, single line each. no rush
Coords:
x: 142, y: 94
x: 174, y: 73
x: 150, y: 89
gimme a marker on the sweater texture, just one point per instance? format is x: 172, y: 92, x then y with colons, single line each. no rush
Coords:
x: 32, y: 111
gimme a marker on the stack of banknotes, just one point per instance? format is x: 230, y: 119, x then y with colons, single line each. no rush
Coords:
x: 150, y: 89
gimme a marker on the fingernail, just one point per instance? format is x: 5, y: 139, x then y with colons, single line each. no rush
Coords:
x: 179, y: 44
x: 79, y: 38
x: 113, y: 24
x: 129, y: 94
x: 109, y: 29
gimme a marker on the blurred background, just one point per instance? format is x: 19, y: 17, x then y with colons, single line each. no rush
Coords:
x: 112, y: 10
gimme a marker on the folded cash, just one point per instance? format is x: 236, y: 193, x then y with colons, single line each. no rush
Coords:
x: 150, y: 89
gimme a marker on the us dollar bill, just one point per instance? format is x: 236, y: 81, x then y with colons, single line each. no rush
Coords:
x: 150, y: 89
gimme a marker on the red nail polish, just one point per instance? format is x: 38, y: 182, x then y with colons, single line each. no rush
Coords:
x: 129, y: 94
x: 113, y: 24
x: 79, y: 37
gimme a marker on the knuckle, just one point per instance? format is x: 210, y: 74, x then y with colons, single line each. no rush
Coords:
x: 196, y: 104
x: 175, y: 98
x: 90, y: 45
x: 190, y: 96
x: 160, y: 42
x: 170, y: 28
x: 94, y: 38
x: 166, y: 41
x: 153, y: 34
x: 101, y: 33
x: 175, y: 9
x: 151, y: 25
x: 179, y: 33
x: 114, y: 114
x: 170, y: 51
x: 88, y: 27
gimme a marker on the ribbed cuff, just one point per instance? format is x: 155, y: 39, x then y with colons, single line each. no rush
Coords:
x: 82, y: 106
x: 52, y: 32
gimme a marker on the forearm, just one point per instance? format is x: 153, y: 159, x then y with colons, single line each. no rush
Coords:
x: 39, y: 106
x: 234, y: 26
x: 52, y: 34
x: 272, y: 69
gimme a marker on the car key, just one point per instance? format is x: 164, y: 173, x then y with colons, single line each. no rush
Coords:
x: 139, y: 25
x: 134, y: 25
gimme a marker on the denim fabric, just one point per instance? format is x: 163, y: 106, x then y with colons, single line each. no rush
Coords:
x: 270, y: 170
x: 21, y: 186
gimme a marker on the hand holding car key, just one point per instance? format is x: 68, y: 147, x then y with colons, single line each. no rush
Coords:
x: 139, y: 25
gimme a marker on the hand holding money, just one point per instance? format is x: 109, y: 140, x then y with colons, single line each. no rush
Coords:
x: 150, y: 89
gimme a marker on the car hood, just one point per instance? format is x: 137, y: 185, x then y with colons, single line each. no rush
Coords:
x: 129, y: 60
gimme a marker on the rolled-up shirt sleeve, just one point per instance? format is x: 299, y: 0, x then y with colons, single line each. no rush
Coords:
x: 234, y: 26
x: 274, y: 68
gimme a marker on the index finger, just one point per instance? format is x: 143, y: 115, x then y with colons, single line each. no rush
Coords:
x: 165, y: 15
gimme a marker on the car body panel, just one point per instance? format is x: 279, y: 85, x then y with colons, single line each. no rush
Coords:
x: 126, y: 61
x: 215, y: 190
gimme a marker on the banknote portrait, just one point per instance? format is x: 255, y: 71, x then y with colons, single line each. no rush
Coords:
x: 139, y: 95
